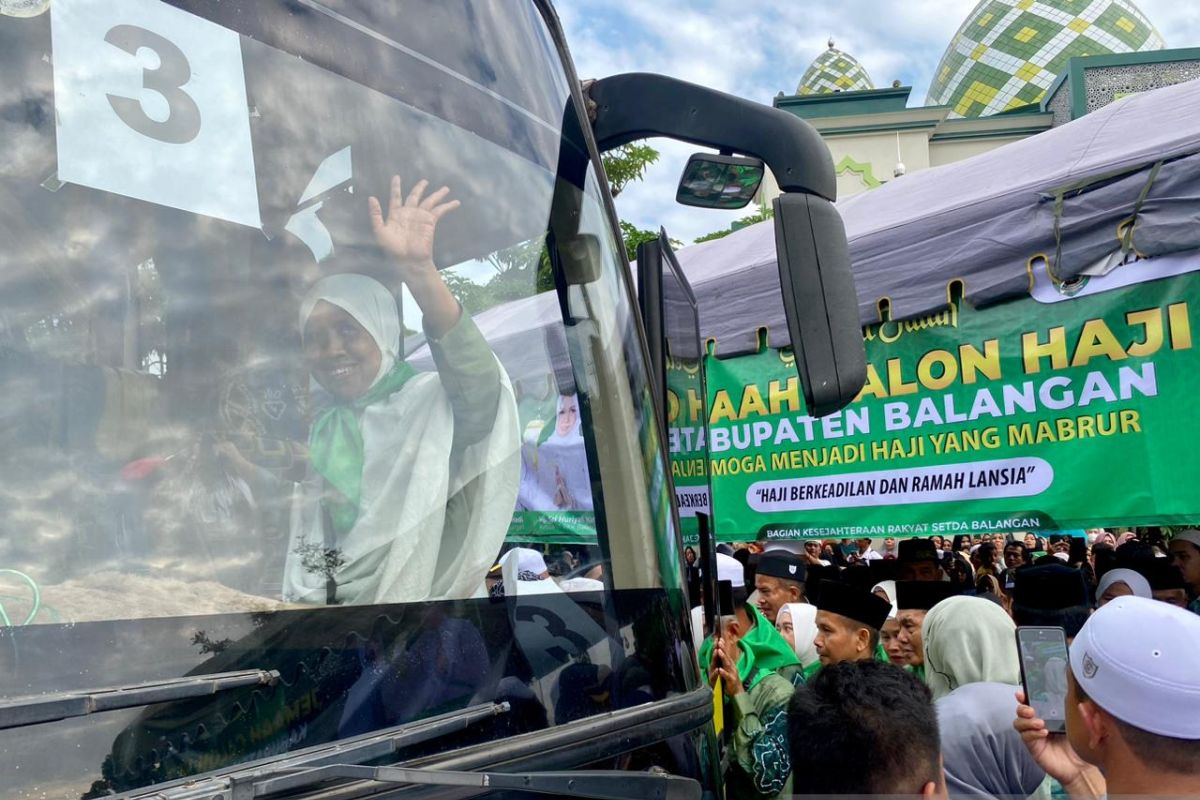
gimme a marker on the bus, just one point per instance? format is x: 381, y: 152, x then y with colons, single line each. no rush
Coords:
x: 259, y: 451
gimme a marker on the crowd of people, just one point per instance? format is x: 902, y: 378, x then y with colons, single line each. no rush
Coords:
x: 851, y: 668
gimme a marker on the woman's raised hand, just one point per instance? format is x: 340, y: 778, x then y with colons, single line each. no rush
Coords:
x: 407, y: 235
x: 407, y: 232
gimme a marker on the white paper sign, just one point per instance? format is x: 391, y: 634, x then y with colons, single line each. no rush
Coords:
x: 151, y: 104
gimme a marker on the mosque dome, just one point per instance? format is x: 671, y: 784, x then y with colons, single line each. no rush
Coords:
x: 1007, y: 53
x: 834, y: 71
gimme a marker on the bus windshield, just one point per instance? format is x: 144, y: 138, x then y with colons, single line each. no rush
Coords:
x: 289, y: 361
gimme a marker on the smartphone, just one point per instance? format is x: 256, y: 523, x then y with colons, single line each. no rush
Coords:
x: 1044, y: 665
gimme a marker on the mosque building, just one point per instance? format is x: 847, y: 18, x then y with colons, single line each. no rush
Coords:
x: 1013, y: 69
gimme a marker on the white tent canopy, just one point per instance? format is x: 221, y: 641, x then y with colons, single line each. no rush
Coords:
x: 980, y: 220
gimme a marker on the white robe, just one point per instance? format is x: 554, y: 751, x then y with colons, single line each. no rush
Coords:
x: 405, y: 545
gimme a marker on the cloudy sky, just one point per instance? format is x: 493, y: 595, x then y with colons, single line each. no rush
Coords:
x: 756, y: 48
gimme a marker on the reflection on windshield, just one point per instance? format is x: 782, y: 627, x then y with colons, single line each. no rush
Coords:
x: 174, y: 418
x: 282, y: 356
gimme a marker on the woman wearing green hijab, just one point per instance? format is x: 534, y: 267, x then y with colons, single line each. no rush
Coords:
x: 413, y: 475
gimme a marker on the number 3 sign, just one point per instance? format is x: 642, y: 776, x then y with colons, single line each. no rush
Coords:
x: 151, y: 104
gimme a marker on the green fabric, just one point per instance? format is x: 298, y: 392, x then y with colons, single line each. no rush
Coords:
x: 881, y: 654
x: 760, y: 763
x: 336, y: 447
x: 764, y: 650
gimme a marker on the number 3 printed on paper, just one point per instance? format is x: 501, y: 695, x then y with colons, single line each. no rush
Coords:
x: 182, y: 125
x: 151, y: 104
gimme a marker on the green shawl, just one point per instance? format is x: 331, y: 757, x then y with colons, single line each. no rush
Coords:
x: 764, y: 650
x: 335, y: 446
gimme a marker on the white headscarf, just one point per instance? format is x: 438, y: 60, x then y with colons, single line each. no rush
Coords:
x: 968, y: 640
x: 429, y: 525
x: 804, y: 630
x: 1136, y: 582
x: 371, y: 305
x: 556, y: 462
x: 888, y: 588
x: 575, y: 434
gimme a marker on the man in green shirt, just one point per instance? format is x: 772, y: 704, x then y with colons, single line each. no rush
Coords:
x: 745, y: 657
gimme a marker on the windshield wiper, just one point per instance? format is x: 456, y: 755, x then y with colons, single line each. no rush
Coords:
x: 243, y: 783
x: 63, y: 705
x: 598, y: 784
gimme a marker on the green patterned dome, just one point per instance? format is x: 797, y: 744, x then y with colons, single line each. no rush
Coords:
x: 1008, y: 52
x: 834, y: 71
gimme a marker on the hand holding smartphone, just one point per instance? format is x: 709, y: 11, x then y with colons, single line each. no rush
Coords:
x: 1044, y: 665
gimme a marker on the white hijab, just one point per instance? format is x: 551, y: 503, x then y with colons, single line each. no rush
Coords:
x: 431, y: 518
x: 888, y: 588
x: 371, y: 305
x: 804, y: 629
x: 1136, y: 582
x: 555, y: 469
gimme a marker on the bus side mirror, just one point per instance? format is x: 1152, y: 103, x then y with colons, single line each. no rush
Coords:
x: 718, y: 181
x: 819, y: 301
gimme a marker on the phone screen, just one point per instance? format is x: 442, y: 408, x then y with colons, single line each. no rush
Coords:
x: 1044, y: 665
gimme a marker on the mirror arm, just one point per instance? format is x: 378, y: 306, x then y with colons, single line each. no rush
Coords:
x: 638, y: 105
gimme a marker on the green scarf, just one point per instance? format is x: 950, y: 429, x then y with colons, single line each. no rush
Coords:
x: 764, y: 650
x: 335, y: 446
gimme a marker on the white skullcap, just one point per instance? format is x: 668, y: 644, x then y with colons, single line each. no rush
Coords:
x: 1192, y: 536
x: 530, y: 560
x: 1136, y: 658
x: 1136, y: 582
x: 730, y: 569
x: 795, y: 548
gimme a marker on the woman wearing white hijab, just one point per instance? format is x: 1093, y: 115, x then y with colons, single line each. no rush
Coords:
x: 1120, y: 582
x: 891, y: 627
x: 554, y: 472
x: 797, y: 622
x: 413, y: 475
x: 968, y: 640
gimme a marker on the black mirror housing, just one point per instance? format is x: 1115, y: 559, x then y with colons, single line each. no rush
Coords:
x: 819, y: 301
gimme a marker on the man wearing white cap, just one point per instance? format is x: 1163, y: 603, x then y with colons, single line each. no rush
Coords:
x: 1133, y: 705
x: 1184, y: 549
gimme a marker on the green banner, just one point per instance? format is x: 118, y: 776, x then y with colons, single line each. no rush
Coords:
x: 689, y: 463
x: 553, y: 527
x: 1048, y: 413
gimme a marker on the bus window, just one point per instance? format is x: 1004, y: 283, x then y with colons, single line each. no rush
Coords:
x: 270, y: 389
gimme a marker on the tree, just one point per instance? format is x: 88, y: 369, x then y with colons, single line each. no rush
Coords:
x: 627, y: 164
x: 764, y: 213
x: 527, y: 264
